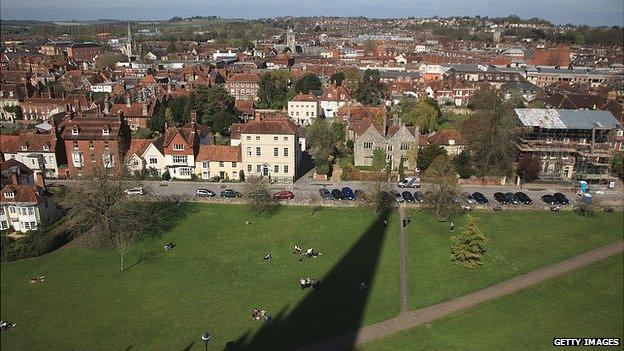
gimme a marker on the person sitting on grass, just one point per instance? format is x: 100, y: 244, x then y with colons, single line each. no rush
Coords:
x: 315, y: 283
x: 303, y: 283
x: 363, y: 286
x: 255, y: 314
x: 311, y: 253
x: 267, y: 257
x: 297, y: 250
x: 170, y: 245
x: 6, y: 325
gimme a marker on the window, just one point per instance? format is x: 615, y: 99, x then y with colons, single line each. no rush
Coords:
x: 178, y: 147
x: 248, y: 168
x: 248, y: 137
x: 276, y: 169
x: 51, y: 160
x: 257, y: 138
x: 285, y: 152
x: 234, y: 165
x: 275, y: 138
x: 1, y: 211
x: 275, y: 152
x: 285, y: 138
x: 249, y: 151
x: 185, y: 171
x: 75, y: 130
x: 404, y: 146
x: 221, y: 164
x: 12, y: 209
x: 258, y: 168
x: 4, y: 225
x: 179, y: 159
x: 91, y: 146
x: 9, y: 195
x: 106, y: 144
x: 105, y: 131
x: 389, y: 148
x: 286, y: 169
x: 108, y: 160
x: 368, y: 145
x: 78, y: 159
x: 258, y: 151
x: 153, y: 160
x: 31, y: 210
x: 205, y: 164
x: 24, y: 147
x: 135, y: 162
x: 75, y: 144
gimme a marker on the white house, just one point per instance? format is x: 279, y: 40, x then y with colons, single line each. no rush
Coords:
x: 334, y: 97
x: 26, y: 207
x: 303, y: 109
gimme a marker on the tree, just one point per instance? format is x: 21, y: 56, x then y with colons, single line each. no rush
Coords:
x: 109, y: 59
x: 491, y: 133
x: 468, y: 248
x: 172, y: 47
x: 308, y: 82
x: 273, y: 89
x: 402, y: 168
x: 463, y: 165
x: 377, y: 193
x: 369, y: 46
x: 617, y: 165
x: 337, y: 78
x: 338, y: 131
x: 370, y: 91
x: 529, y: 168
x: 258, y: 196
x: 215, y: 108
x: 103, y: 216
x: 425, y: 113
x: 444, y: 188
x: 322, y: 142
x: 427, y: 154
x: 379, y: 160
x: 16, y: 110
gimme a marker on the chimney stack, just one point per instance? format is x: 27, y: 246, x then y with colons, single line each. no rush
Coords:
x: 128, y: 101
x: 193, y: 117
x: 40, y: 179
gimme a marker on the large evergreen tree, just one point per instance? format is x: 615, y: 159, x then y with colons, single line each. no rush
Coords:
x: 468, y: 248
x: 370, y: 91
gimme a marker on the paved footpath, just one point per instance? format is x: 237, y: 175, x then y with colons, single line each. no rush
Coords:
x: 415, y: 318
x: 403, y: 276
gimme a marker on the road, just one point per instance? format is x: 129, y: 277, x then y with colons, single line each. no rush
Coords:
x: 305, y: 190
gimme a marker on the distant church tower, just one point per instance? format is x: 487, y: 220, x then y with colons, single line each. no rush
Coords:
x: 290, y: 40
x: 131, y: 47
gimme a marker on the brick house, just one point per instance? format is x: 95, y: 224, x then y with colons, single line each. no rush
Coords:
x: 83, y: 51
x: 91, y: 141
x: 243, y: 86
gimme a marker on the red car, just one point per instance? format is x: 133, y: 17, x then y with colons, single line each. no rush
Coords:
x: 284, y: 195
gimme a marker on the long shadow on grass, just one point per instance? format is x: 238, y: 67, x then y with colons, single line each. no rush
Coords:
x: 335, y: 308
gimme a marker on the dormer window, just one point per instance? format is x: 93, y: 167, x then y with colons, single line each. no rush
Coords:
x: 75, y: 130
x: 9, y: 195
x: 105, y: 131
x: 178, y: 147
x: 24, y: 147
x: 46, y: 147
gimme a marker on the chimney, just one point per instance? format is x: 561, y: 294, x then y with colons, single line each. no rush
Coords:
x: 14, y: 179
x: 40, y: 179
x: 144, y: 105
x: 128, y: 101
x: 193, y: 117
x: 121, y: 116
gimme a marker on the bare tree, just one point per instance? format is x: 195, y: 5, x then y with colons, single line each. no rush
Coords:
x: 377, y: 194
x: 442, y: 197
x: 258, y: 196
x: 103, y: 215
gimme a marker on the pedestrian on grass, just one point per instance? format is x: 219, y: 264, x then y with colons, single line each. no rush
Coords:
x: 452, y: 226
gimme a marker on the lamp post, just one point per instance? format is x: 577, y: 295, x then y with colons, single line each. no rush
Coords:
x: 205, y: 338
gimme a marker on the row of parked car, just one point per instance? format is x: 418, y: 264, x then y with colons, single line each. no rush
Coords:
x: 230, y: 193
x: 517, y: 198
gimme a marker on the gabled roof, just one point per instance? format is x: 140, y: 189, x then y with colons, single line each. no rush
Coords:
x: 28, y: 142
x: 138, y: 146
x: 336, y: 93
x: 24, y: 194
x: 442, y: 137
x: 305, y: 98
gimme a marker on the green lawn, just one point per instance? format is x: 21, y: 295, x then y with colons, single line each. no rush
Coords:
x: 212, y: 279
x: 583, y: 303
x: 215, y: 276
x: 519, y: 242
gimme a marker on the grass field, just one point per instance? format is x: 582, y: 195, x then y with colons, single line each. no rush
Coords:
x: 215, y: 276
x: 583, y: 303
x: 519, y: 242
x: 212, y: 279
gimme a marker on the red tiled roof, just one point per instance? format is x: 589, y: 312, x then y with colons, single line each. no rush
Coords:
x: 443, y: 136
x: 6, y: 165
x: 244, y: 77
x: 270, y: 126
x: 23, y: 193
x: 305, y: 97
x: 138, y: 146
x: 221, y: 153
x: 135, y: 109
x: 90, y: 128
x: 235, y: 130
x: 32, y: 142
x: 334, y: 93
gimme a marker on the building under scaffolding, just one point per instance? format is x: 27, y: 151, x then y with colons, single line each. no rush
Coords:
x: 570, y: 144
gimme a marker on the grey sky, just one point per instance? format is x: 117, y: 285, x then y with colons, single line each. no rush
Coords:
x: 591, y: 12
